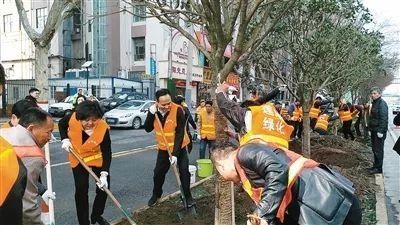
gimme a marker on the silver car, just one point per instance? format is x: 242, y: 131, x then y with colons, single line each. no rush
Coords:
x: 130, y: 114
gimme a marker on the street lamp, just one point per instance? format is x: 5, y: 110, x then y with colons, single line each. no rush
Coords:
x: 87, y: 65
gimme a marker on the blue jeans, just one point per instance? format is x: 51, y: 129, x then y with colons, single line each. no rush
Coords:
x: 203, y: 146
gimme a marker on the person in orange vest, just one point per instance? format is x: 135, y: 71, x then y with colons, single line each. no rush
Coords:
x: 16, y: 111
x: 88, y: 135
x: 295, y: 112
x: 207, y: 130
x: 172, y: 119
x: 347, y: 120
x: 315, y: 110
x: 321, y: 127
x: 236, y: 113
x: 287, y: 188
x: 13, y: 176
x: 27, y: 140
x: 201, y: 107
x: 357, y: 112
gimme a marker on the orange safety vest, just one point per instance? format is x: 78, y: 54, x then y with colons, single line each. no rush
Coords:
x: 296, y: 165
x: 297, y: 114
x: 268, y: 126
x: 345, y: 115
x: 9, y: 169
x: 323, y: 122
x: 89, y: 151
x: 169, y: 130
x: 284, y: 113
x: 6, y: 125
x: 314, y: 112
x: 207, y: 125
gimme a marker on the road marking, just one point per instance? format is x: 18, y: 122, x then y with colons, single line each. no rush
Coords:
x: 119, y: 154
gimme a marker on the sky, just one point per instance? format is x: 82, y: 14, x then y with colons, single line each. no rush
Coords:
x: 386, y: 17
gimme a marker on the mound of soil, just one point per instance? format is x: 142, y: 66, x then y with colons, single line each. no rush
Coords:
x: 351, y: 158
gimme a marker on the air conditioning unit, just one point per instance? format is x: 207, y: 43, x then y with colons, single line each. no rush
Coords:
x: 123, y: 74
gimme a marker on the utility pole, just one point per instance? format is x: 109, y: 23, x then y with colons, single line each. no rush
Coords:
x: 188, y: 90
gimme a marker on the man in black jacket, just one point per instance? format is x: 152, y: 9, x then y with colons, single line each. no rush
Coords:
x: 33, y: 96
x: 378, y: 126
x: 172, y: 119
x: 318, y: 195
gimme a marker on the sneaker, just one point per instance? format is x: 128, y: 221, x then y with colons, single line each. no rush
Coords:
x: 153, y: 201
x: 100, y: 220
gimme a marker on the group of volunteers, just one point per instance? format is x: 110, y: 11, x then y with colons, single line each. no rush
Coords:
x: 286, y: 187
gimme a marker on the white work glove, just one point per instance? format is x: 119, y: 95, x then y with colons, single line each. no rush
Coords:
x: 103, y: 180
x: 282, y: 87
x: 48, y: 195
x: 153, y: 109
x: 66, y: 144
x: 256, y: 222
x: 380, y: 135
x: 173, y: 160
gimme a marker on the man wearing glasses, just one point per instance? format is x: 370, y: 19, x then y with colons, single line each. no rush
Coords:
x: 378, y: 125
x: 172, y: 137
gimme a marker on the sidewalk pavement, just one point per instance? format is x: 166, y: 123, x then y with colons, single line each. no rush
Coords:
x: 391, y: 176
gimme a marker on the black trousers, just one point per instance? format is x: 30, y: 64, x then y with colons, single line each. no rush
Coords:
x: 81, y: 177
x: 346, y: 129
x: 298, y: 128
x: 377, y: 148
x: 162, y: 167
x: 313, y: 121
x: 357, y: 126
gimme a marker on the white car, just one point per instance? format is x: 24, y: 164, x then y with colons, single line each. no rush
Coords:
x: 130, y: 114
x: 60, y: 108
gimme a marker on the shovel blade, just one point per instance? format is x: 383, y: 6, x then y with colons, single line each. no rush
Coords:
x: 188, y: 212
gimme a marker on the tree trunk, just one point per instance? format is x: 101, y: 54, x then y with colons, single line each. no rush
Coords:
x: 41, y: 71
x: 224, y: 198
x: 306, y: 135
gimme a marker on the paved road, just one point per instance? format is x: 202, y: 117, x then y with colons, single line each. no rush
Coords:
x: 131, y: 175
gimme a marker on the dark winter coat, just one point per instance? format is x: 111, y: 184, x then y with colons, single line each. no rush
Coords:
x: 396, y: 121
x: 321, y: 196
x: 378, y: 119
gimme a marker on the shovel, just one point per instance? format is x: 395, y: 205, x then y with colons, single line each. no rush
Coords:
x: 106, y: 190
x: 188, y: 210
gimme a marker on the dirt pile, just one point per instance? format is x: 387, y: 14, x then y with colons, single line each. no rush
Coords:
x: 351, y: 158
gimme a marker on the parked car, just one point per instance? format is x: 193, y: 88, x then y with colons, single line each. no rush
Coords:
x: 130, y: 114
x: 396, y: 109
x: 59, y: 109
x: 120, y: 98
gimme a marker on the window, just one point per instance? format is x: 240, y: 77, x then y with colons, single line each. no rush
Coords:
x: 139, y: 12
x: 7, y: 23
x: 138, y: 49
x: 41, y: 17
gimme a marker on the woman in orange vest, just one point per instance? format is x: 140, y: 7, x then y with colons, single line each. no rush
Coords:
x: 295, y: 118
x: 173, y: 122
x: 347, y: 120
x: 287, y: 188
x: 87, y: 134
x: 207, y: 130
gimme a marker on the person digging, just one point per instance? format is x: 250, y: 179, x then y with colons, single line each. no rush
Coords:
x: 288, y: 188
